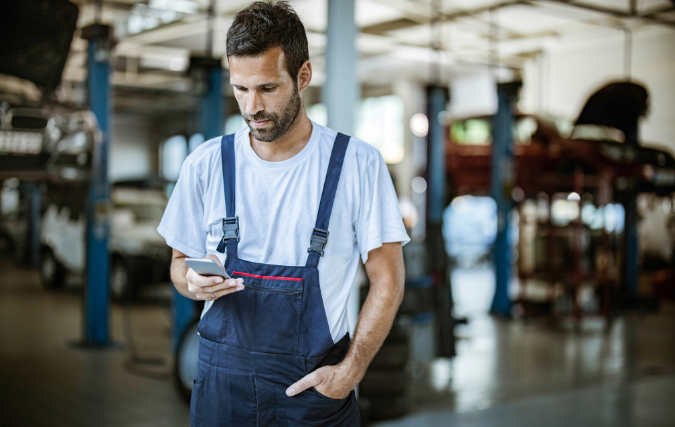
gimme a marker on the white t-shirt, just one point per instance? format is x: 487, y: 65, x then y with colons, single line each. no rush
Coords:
x: 277, y: 204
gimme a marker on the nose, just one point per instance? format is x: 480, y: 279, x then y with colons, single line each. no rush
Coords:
x: 253, y: 103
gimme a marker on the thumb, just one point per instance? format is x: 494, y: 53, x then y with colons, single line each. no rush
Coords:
x: 308, y: 381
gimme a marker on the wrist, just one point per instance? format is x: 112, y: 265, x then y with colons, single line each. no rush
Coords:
x: 351, y: 370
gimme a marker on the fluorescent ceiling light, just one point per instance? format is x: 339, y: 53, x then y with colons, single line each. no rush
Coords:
x: 183, y: 6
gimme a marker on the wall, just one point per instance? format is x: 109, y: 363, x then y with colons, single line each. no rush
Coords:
x: 133, y: 149
x: 560, y: 79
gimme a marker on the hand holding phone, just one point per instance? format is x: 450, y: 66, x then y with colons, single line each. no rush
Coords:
x: 206, y: 267
x: 208, y: 280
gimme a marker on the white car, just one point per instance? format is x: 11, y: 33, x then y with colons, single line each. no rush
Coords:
x: 139, y: 255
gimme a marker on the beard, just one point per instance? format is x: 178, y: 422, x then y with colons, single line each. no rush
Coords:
x: 279, y: 122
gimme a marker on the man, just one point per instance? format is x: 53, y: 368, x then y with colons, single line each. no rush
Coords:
x: 292, y: 205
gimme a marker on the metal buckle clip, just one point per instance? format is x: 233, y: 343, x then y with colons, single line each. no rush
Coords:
x: 318, y: 241
x: 231, y: 228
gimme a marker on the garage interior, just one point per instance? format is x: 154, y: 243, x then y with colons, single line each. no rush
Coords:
x: 530, y: 144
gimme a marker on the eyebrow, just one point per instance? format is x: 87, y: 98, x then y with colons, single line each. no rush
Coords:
x: 260, y: 85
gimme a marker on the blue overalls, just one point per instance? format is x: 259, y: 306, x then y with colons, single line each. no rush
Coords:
x: 256, y: 342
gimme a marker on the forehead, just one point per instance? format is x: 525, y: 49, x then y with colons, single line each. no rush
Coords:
x: 266, y: 67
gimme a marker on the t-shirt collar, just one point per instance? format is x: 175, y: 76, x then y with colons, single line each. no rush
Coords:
x: 302, y: 155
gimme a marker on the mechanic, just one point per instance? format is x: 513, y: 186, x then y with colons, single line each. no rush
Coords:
x: 287, y: 206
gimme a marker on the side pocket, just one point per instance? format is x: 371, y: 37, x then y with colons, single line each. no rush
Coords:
x: 330, y: 399
x: 202, y: 370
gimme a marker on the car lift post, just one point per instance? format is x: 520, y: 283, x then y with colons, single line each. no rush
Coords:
x: 32, y: 192
x: 341, y: 91
x: 207, y: 77
x: 501, y: 188
x: 630, y: 247
x: 437, y: 97
x: 96, y: 294
x: 631, y: 270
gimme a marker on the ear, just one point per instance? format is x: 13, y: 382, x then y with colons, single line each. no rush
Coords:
x: 304, y: 76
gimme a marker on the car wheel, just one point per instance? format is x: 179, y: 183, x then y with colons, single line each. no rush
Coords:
x: 52, y: 272
x: 121, y: 289
x: 7, y: 248
x: 185, y: 367
x: 391, y: 356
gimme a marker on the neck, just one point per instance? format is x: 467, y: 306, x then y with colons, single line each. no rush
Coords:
x: 289, y: 144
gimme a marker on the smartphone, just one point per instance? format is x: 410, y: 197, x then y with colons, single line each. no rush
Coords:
x: 206, y: 267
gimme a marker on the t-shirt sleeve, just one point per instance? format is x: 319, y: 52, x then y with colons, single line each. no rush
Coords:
x: 182, y: 222
x: 379, y: 219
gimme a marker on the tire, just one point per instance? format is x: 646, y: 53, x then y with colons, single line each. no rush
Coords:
x: 52, y: 272
x: 398, y: 334
x: 392, y: 356
x: 121, y: 287
x: 7, y: 247
x: 377, y: 383
x: 185, y: 366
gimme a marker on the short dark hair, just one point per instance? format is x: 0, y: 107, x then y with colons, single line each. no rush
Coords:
x: 267, y: 24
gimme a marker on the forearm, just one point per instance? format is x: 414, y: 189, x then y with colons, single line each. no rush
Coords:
x: 179, y: 271
x: 373, y: 326
x: 387, y: 276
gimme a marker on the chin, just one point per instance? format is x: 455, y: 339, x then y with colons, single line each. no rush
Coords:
x: 264, y: 135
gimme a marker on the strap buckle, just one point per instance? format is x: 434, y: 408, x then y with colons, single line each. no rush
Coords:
x: 318, y: 241
x: 231, y: 228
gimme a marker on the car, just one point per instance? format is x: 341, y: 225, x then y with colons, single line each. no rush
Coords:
x: 41, y: 137
x: 546, y: 152
x: 139, y: 255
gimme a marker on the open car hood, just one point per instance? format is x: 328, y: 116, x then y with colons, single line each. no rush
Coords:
x: 36, y: 37
x: 618, y: 105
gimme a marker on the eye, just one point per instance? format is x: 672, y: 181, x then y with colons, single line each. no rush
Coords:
x: 240, y: 88
x: 269, y: 88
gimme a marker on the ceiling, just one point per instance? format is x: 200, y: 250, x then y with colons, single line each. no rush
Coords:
x: 155, y: 38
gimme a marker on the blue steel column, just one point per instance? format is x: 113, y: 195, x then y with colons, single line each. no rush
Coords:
x: 501, y: 186
x: 34, y: 225
x: 183, y: 314
x: 212, y: 104
x: 96, y: 292
x: 630, y: 246
x: 207, y: 75
x: 436, y: 160
x: 437, y: 200
x: 341, y: 89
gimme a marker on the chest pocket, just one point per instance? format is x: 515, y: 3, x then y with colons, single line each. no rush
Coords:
x: 265, y: 316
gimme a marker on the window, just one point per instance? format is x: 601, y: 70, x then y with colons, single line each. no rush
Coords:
x: 380, y: 122
x: 172, y: 155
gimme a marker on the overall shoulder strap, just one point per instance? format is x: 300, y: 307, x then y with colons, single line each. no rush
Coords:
x: 320, y: 233
x: 231, y: 221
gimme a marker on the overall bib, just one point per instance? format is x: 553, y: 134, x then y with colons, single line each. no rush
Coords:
x: 256, y: 342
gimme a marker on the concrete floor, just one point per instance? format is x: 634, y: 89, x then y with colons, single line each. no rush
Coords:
x: 506, y: 374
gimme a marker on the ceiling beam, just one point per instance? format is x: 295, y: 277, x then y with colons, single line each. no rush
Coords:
x: 408, y: 22
x: 608, y: 11
x: 653, y: 12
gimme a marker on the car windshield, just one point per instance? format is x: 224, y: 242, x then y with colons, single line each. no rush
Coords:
x: 477, y: 131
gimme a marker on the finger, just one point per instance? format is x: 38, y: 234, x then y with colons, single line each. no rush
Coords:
x: 203, y: 281
x: 196, y: 288
x: 215, y: 258
x: 310, y: 380
x: 228, y: 291
x: 196, y: 285
x: 210, y: 296
x: 229, y: 283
